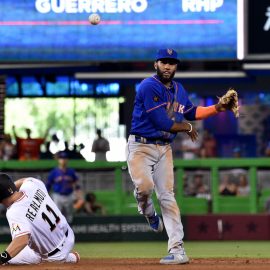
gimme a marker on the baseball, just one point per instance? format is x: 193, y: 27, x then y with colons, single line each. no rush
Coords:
x: 94, y: 19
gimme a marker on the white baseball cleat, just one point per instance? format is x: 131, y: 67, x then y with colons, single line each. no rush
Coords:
x: 73, y: 257
x: 175, y: 258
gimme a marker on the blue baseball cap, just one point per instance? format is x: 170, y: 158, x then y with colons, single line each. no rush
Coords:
x: 62, y: 155
x: 167, y: 54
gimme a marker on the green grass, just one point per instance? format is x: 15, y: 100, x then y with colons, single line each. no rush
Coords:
x: 196, y: 249
x: 228, y: 249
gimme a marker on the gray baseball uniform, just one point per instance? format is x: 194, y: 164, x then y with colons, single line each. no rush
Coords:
x: 151, y: 168
x: 160, y: 107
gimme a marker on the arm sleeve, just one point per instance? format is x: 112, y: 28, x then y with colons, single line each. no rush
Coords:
x: 17, y: 223
x: 154, y: 104
x: 205, y: 112
x: 191, y: 114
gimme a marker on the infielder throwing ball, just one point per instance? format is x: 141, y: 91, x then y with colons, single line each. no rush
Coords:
x: 161, y: 105
x: 40, y: 233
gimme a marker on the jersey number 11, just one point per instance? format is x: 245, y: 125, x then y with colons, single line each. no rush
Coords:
x: 46, y: 218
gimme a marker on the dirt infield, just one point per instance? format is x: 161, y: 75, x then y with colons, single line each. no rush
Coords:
x: 153, y: 264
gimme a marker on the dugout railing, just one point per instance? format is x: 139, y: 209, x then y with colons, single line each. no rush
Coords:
x: 119, y: 200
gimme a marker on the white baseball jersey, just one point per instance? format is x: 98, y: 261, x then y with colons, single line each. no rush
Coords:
x: 36, y: 214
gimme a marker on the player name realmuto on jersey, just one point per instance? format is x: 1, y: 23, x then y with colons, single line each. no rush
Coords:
x: 35, y: 205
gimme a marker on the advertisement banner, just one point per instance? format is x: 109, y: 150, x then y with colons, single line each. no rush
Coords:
x: 109, y: 228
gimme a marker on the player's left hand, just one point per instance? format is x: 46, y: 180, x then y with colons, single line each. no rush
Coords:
x: 229, y: 101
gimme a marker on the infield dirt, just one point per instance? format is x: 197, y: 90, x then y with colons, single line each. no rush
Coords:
x: 153, y: 264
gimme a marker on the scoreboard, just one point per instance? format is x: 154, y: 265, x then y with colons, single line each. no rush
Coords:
x: 130, y: 30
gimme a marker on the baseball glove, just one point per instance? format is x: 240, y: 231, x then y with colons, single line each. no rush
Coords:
x: 229, y: 101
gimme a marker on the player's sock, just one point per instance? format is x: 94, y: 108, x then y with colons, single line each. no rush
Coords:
x: 155, y: 222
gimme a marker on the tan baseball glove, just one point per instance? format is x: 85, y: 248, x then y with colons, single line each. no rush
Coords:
x: 229, y: 101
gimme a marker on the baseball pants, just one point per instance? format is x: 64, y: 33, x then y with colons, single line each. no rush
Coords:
x: 151, y: 168
x: 65, y: 205
x: 29, y: 256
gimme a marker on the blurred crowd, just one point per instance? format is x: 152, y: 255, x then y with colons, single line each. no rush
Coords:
x: 206, y: 147
x: 231, y: 184
x: 29, y: 148
x: 63, y: 182
x: 64, y: 186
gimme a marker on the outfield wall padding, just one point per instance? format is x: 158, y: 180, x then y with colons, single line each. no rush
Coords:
x: 135, y: 228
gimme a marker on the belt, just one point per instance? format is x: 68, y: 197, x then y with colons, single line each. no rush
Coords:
x: 150, y: 141
x: 57, y: 249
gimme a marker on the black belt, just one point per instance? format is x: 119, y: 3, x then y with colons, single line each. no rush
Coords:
x: 151, y: 141
x: 57, y: 249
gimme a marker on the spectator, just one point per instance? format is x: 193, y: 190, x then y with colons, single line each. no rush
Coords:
x: 7, y: 148
x: 64, y: 182
x: 91, y: 206
x: 209, y: 145
x: 67, y: 149
x: 76, y: 152
x: 189, y: 148
x: 47, y: 154
x: 78, y: 202
x: 56, y: 144
x: 237, y: 152
x: 186, y: 186
x: 227, y: 187
x: 267, y: 206
x: 200, y: 189
x: 29, y: 148
x: 243, y: 188
x: 267, y: 149
x: 100, y: 146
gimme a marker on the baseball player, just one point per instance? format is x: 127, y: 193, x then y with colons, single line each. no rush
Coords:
x: 40, y: 233
x: 64, y: 182
x: 160, y: 107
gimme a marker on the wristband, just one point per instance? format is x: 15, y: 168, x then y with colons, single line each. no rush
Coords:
x: 190, y: 127
x: 4, y: 257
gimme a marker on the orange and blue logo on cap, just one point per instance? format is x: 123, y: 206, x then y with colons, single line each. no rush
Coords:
x: 167, y: 53
x: 170, y: 51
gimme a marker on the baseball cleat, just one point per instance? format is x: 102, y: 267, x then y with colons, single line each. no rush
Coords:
x: 156, y: 223
x: 175, y: 258
x: 73, y: 257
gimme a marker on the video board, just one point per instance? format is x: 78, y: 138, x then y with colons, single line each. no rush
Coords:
x: 130, y: 30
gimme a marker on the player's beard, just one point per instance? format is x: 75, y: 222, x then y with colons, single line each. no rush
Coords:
x: 164, y: 79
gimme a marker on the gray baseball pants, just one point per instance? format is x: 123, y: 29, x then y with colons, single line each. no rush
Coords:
x: 151, y: 168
